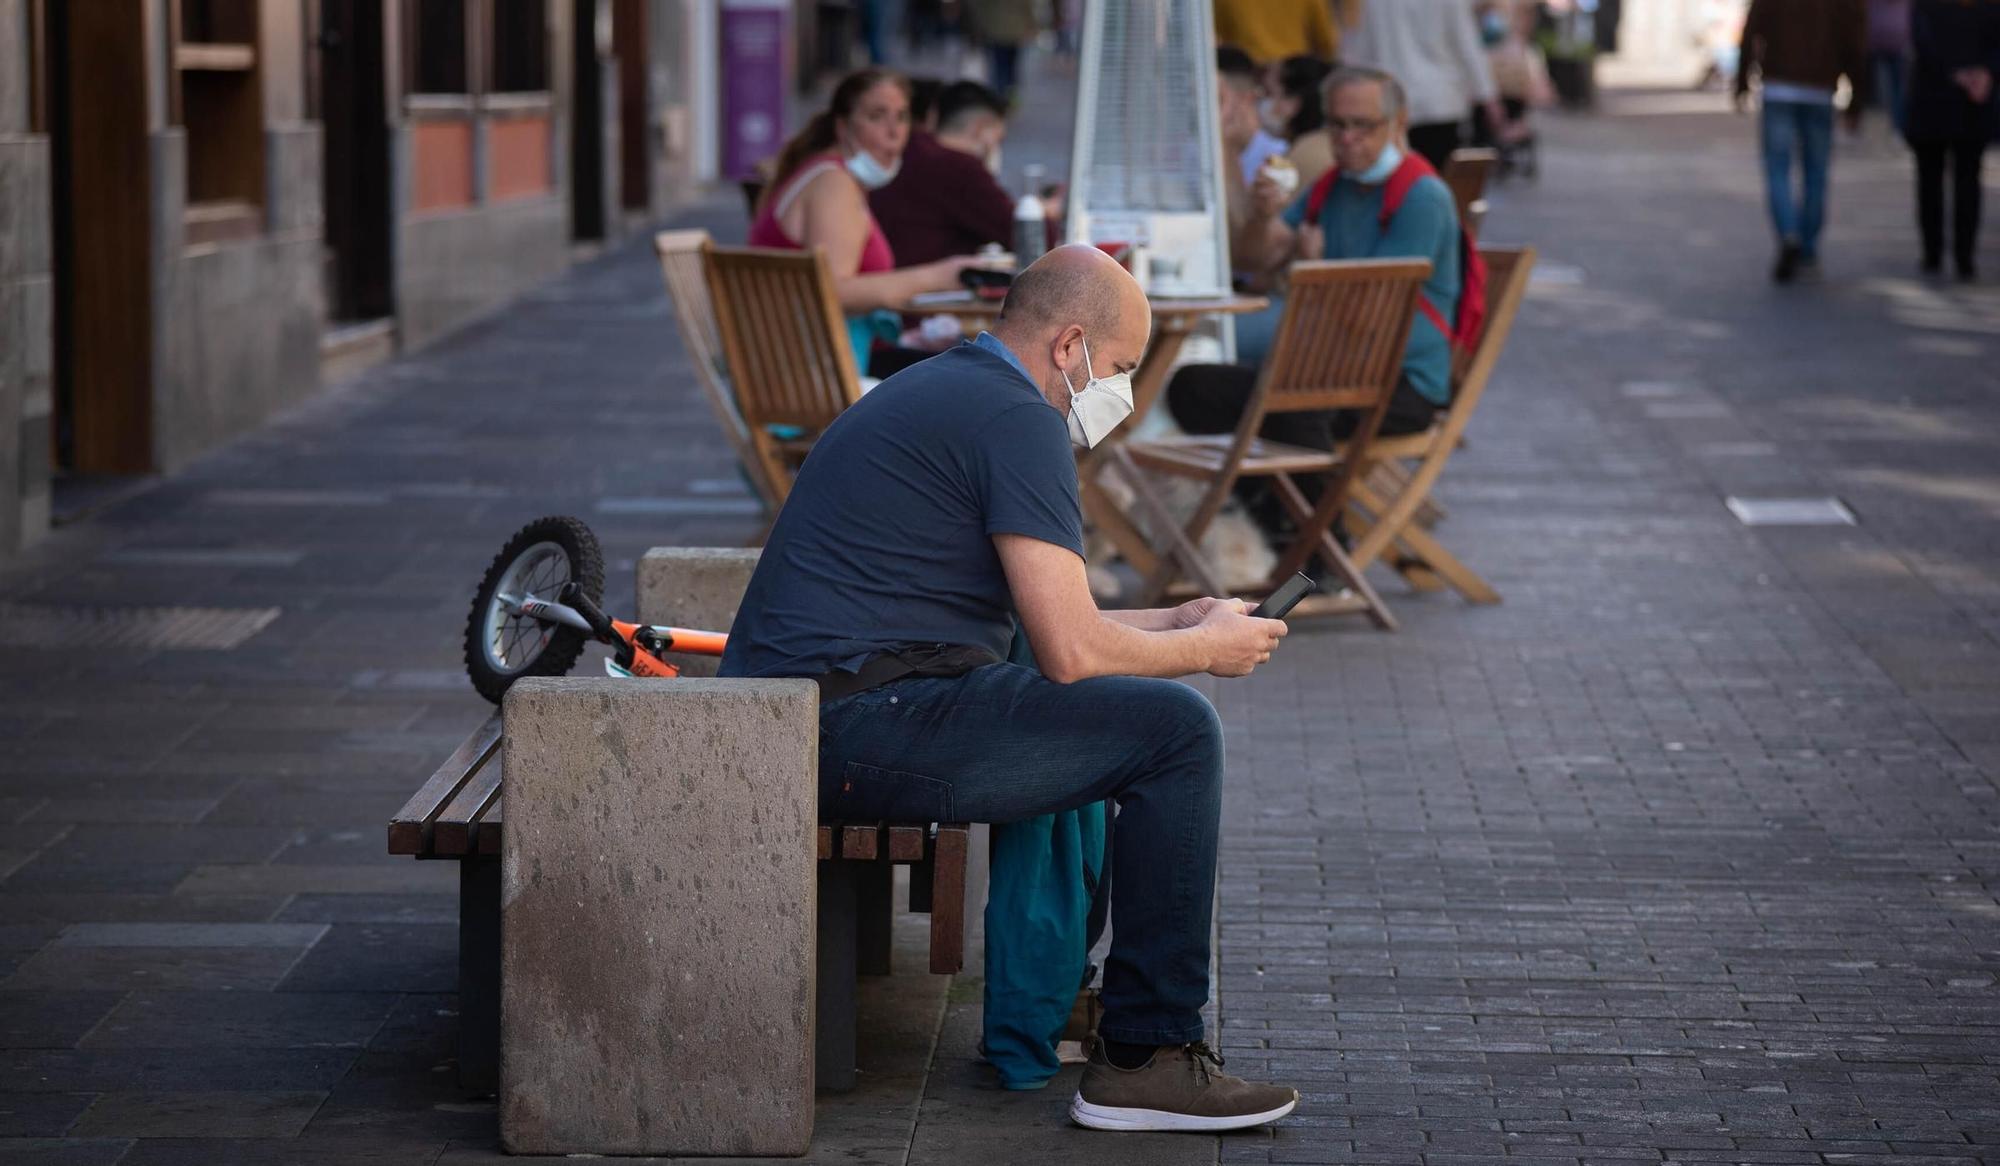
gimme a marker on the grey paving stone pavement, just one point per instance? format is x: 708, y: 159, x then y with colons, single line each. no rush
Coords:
x: 1685, y: 853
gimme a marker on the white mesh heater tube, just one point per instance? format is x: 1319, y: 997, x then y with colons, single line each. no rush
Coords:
x: 1146, y: 158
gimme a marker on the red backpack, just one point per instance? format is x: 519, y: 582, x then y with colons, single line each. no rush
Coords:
x: 1464, y: 334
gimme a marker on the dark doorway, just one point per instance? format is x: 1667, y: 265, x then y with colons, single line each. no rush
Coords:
x: 635, y: 114
x: 101, y: 239
x: 586, y: 134
x: 353, y: 112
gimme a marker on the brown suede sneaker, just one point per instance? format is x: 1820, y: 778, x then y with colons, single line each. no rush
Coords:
x: 1183, y: 1088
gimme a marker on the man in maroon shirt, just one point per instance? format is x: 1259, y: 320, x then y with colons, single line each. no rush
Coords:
x: 944, y: 200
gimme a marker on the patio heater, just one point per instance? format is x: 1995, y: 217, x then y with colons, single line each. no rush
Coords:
x: 1146, y: 160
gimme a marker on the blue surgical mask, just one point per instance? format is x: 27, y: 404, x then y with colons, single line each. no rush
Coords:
x: 1385, y: 165
x: 872, y: 175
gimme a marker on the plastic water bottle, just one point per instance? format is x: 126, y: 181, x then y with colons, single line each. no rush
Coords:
x: 1030, y: 220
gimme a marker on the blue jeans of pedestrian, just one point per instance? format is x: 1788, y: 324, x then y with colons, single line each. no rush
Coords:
x: 1004, y: 743
x: 1003, y: 65
x: 1890, y: 72
x: 1801, y: 130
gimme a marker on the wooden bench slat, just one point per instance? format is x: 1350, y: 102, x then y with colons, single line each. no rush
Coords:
x: 906, y: 843
x: 825, y: 843
x: 486, y: 839
x: 861, y: 842
x: 452, y: 832
x: 410, y: 829
x: 948, y: 900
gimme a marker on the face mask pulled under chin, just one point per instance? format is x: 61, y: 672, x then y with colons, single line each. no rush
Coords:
x: 1099, y: 407
x: 871, y: 174
x: 1385, y: 165
x: 1267, y: 117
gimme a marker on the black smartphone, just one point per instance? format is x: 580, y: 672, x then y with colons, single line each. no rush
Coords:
x: 1280, y: 602
x: 986, y: 283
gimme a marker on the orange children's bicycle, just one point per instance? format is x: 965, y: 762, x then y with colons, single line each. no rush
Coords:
x: 537, y: 606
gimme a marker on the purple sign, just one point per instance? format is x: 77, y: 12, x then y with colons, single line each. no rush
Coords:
x: 756, y: 68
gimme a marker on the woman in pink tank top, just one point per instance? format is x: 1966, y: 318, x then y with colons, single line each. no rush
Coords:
x: 818, y: 198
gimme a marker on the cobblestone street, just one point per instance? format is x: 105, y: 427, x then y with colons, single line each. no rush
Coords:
x: 1688, y: 852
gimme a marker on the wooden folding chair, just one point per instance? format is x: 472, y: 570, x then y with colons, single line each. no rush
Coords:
x: 1339, y: 345
x: 682, y: 266
x: 1378, y: 517
x: 786, y: 344
x: 1467, y: 172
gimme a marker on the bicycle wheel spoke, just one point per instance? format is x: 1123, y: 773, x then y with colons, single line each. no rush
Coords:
x: 514, y: 635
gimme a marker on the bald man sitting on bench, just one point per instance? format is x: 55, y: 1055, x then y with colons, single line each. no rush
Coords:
x: 930, y: 517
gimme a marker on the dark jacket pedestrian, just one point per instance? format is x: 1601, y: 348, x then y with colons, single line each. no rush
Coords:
x: 1951, y: 117
x: 1801, y: 49
x: 1810, y: 43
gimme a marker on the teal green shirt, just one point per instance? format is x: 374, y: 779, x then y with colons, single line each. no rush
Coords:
x: 1425, y: 227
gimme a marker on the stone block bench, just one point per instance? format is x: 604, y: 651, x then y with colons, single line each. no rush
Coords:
x: 680, y: 927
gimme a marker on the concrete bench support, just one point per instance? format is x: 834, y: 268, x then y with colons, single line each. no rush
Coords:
x: 694, y: 587
x: 657, y: 899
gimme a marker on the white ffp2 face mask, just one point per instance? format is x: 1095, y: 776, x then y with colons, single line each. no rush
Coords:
x: 1099, y: 407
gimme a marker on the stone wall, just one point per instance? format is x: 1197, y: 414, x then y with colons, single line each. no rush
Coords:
x: 238, y: 323
x: 454, y: 266
x: 26, y: 298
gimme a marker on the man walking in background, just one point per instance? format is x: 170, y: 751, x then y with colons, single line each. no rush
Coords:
x: 1801, y: 49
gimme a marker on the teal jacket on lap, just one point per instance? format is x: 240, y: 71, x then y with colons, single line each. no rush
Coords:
x: 1045, y: 873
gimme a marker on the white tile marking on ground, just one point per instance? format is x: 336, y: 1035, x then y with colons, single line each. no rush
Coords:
x: 201, y: 557
x: 1686, y: 410
x: 1653, y: 389
x: 717, y: 486
x: 1736, y: 449
x: 1791, y: 512
x: 451, y: 490
x: 698, y: 507
x: 297, y: 497
x: 1946, y: 346
x: 191, y: 935
x: 1556, y: 275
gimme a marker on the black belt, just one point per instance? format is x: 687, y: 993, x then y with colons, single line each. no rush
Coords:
x: 916, y: 660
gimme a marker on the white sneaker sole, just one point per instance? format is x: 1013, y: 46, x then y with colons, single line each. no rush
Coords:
x: 1111, y: 1117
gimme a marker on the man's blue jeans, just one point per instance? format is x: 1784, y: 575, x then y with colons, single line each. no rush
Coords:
x: 1004, y: 743
x: 1890, y: 72
x: 1802, y: 130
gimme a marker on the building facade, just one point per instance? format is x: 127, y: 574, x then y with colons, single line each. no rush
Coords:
x: 26, y: 295
x: 210, y: 208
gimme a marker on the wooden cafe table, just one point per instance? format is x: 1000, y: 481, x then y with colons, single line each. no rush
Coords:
x: 1174, y: 317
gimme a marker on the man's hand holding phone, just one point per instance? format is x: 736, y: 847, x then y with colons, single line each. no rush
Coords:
x: 1239, y: 641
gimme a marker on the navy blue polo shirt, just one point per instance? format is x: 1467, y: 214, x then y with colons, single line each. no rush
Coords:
x: 886, y: 539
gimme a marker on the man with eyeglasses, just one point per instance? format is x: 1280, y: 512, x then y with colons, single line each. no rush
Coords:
x: 1368, y: 117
